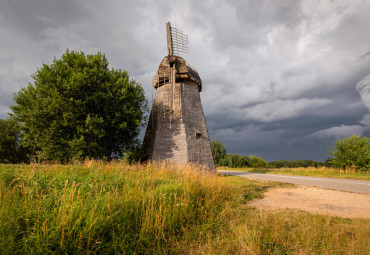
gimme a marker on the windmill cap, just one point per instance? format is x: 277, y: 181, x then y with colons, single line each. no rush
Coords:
x: 184, y: 72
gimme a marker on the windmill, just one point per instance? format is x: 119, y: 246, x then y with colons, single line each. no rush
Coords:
x: 177, y: 130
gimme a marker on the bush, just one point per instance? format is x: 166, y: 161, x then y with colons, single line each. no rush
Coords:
x: 257, y: 162
x: 352, y: 151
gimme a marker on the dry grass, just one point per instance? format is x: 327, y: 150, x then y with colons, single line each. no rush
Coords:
x: 115, y: 208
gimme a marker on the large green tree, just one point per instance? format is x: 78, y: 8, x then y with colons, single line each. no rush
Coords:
x: 352, y: 151
x: 78, y: 107
x: 218, y: 151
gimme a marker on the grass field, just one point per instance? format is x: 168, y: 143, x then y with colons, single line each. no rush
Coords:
x: 115, y: 208
x: 308, y: 171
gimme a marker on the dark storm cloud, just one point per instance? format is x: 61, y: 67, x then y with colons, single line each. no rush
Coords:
x: 315, y: 90
x: 279, y: 77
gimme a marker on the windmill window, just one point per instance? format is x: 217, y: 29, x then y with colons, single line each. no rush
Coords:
x: 197, y: 134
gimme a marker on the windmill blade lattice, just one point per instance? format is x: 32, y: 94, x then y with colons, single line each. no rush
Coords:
x: 180, y: 41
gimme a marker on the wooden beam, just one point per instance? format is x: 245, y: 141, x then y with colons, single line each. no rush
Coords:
x: 169, y: 39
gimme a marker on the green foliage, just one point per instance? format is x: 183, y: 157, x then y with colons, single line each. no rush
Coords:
x: 235, y: 161
x: 294, y: 163
x: 218, y: 151
x: 352, y: 151
x: 133, y: 155
x: 257, y: 162
x: 10, y: 138
x: 79, y: 108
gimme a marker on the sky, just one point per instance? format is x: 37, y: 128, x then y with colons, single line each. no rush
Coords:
x: 282, y: 79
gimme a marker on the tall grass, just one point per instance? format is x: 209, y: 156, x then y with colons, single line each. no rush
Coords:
x: 115, y: 208
x: 349, y: 173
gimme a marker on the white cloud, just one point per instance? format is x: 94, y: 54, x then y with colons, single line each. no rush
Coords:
x: 363, y: 88
x: 285, y: 109
x: 366, y: 120
x: 340, y: 132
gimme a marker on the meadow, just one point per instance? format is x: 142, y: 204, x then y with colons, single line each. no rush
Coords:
x: 348, y: 173
x: 115, y: 208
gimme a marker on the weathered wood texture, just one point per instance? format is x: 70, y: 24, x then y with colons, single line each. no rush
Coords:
x: 177, y: 130
x: 184, y: 72
x: 169, y: 39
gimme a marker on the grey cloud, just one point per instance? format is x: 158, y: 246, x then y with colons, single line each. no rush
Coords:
x: 31, y: 18
x: 364, y: 56
x: 351, y: 28
x: 295, y: 72
x: 6, y: 97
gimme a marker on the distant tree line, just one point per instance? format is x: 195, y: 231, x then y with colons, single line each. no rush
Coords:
x: 234, y: 160
x: 295, y: 163
x: 238, y: 161
x: 351, y: 152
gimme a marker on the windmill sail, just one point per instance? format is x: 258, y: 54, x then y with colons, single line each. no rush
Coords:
x: 177, y: 41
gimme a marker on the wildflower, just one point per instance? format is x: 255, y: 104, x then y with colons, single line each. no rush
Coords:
x: 181, y: 204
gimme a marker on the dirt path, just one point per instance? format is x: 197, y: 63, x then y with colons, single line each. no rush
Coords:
x: 316, y: 200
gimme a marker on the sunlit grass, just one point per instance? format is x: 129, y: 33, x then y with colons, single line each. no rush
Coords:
x: 115, y: 208
x: 308, y: 171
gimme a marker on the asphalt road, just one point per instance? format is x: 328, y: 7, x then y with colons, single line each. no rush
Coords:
x: 356, y: 186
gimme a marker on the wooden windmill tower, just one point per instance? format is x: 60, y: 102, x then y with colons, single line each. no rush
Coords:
x: 177, y: 129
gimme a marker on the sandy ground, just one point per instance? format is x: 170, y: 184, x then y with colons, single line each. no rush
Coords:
x: 316, y: 200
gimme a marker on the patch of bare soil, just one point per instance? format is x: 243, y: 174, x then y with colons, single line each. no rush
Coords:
x: 316, y: 200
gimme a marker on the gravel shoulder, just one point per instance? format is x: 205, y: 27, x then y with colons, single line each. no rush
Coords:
x: 316, y: 200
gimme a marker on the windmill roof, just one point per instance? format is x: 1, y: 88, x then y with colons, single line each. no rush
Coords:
x: 184, y: 71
